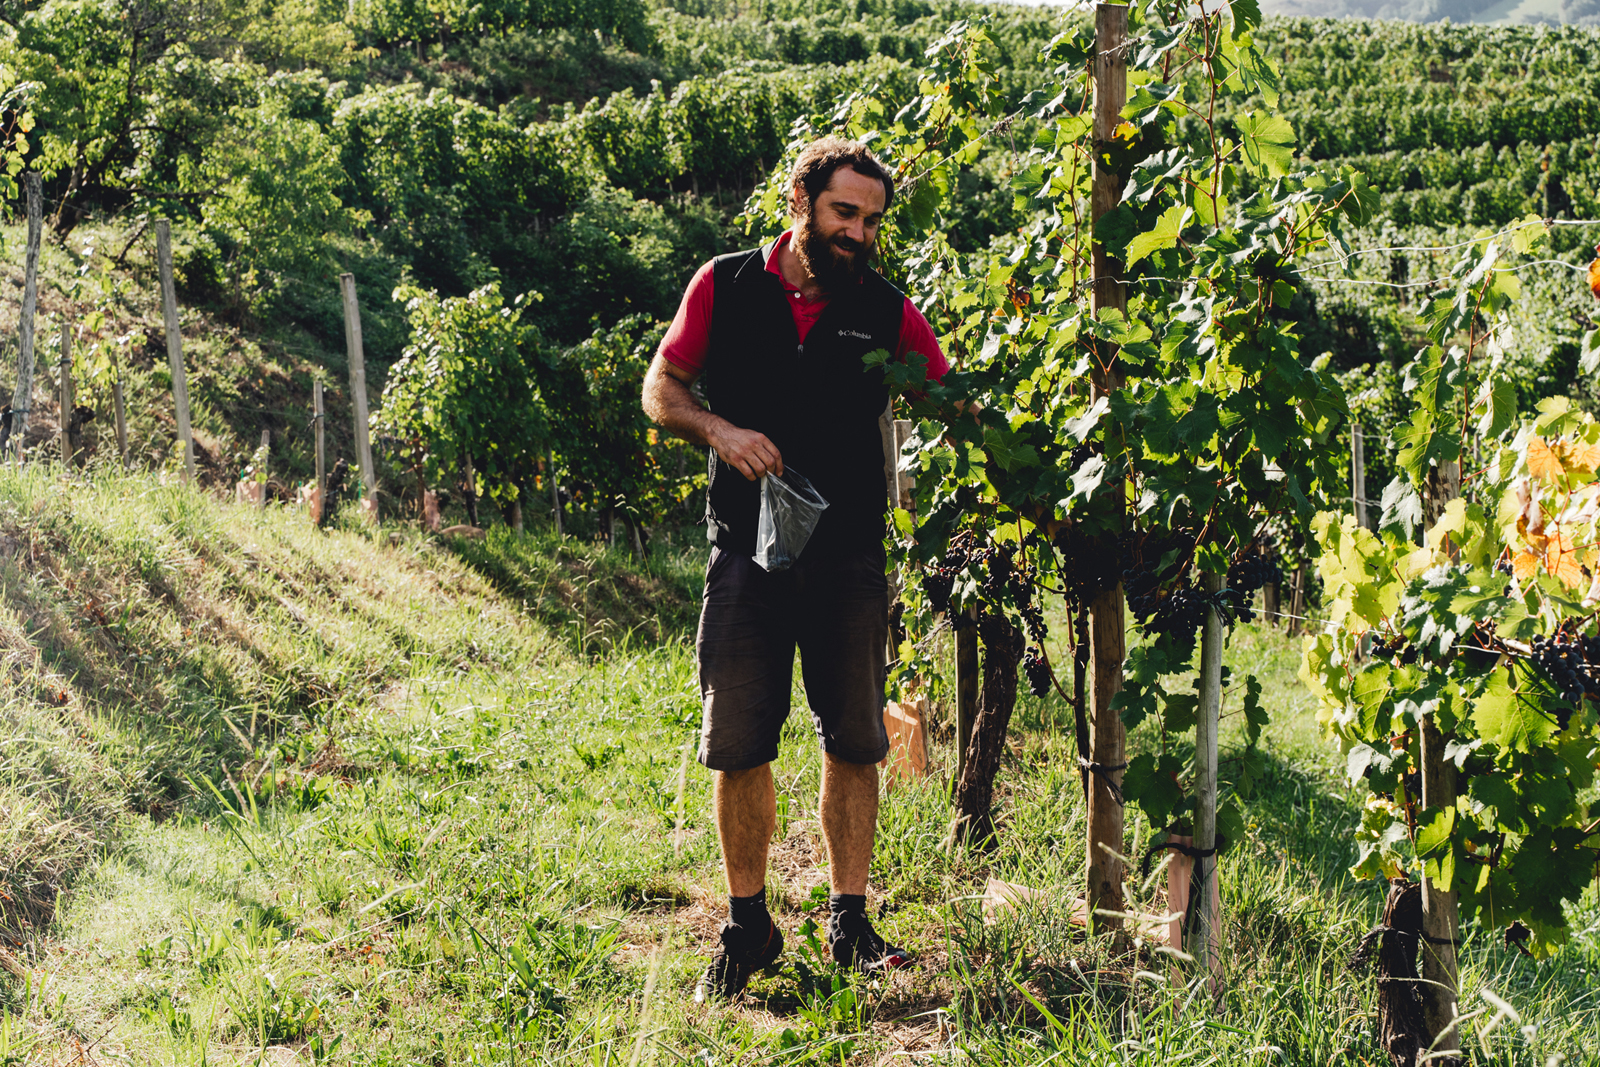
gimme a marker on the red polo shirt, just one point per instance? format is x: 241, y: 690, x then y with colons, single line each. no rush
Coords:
x: 690, y: 334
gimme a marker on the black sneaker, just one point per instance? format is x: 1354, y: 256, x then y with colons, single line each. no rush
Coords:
x: 854, y: 943
x: 739, y: 955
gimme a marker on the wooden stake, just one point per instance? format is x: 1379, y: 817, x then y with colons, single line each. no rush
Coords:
x: 905, y: 483
x: 1201, y: 934
x: 169, y: 312
x: 966, y: 684
x: 1440, y: 910
x: 121, y: 412
x: 1358, y: 474
x: 1107, y: 648
x: 64, y: 382
x: 22, y: 399
x: 358, y: 380
x: 555, y: 492
x: 1440, y: 985
x: 261, y: 475
x: 322, y: 455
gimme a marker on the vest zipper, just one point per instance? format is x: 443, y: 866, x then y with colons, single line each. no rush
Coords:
x: 800, y: 351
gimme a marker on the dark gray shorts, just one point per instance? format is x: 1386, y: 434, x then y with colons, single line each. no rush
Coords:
x: 836, y: 610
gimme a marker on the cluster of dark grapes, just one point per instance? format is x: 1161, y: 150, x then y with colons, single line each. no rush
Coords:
x: 1565, y: 661
x: 939, y: 580
x: 1180, y: 612
x: 997, y: 563
x: 1395, y: 650
x: 1246, y: 574
x: 1037, y: 670
x: 1144, y: 580
x: 1088, y: 566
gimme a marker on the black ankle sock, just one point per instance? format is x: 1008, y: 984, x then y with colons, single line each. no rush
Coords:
x: 847, y: 903
x: 749, y: 912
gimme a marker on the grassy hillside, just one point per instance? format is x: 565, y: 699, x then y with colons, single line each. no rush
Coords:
x: 273, y: 795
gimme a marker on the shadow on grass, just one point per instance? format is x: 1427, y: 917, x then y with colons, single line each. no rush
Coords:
x: 596, y: 600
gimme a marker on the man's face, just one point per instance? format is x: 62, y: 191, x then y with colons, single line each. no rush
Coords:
x: 835, y: 238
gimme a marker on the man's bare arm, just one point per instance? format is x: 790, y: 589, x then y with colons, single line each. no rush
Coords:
x: 670, y: 404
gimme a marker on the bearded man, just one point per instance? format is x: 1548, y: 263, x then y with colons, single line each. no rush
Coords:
x: 779, y: 333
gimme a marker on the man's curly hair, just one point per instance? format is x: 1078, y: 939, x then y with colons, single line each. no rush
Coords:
x: 819, y: 159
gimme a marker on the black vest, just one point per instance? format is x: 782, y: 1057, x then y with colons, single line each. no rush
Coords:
x: 817, y: 402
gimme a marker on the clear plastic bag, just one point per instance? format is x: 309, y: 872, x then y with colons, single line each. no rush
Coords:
x: 790, y: 508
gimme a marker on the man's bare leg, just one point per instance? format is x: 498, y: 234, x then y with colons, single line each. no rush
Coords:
x: 746, y: 808
x: 849, y: 824
x: 849, y: 805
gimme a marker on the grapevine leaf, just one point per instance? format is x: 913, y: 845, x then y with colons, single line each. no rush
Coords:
x: 1510, y: 718
x: 1402, y: 508
x: 1180, y: 711
x: 1433, y: 830
x: 1485, y: 599
x: 1246, y: 15
x: 1151, y: 781
x: 1086, y: 479
x: 1116, y: 228
x: 1495, y: 791
x: 1499, y: 403
x: 1164, y: 235
x: 1371, y: 694
x: 1255, y: 716
x: 1526, y: 233
x: 1135, y: 701
x: 1589, y: 359
x: 1363, y: 760
x: 1433, y: 435
x: 1362, y: 201
x: 1081, y: 426
x: 1441, y: 869
x: 1268, y: 142
x: 1009, y: 449
x: 1457, y: 751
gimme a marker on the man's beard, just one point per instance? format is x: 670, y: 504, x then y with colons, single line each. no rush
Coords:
x: 826, y: 260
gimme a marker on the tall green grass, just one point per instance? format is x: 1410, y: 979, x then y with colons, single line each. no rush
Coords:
x: 359, y: 796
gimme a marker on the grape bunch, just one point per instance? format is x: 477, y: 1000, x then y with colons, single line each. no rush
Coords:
x: 1037, y: 670
x: 994, y: 561
x: 1251, y: 571
x: 1088, y: 566
x: 1395, y: 650
x: 1561, y: 658
x: 1033, y: 621
x: 1246, y: 574
x: 939, y: 580
x: 1143, y: 577
x: 1180, y: 613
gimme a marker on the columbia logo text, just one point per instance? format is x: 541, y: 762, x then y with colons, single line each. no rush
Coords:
x: 855, y: 333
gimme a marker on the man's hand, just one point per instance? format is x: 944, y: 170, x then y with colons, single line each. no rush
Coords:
x: 748, y: 452
x: 669, y: 402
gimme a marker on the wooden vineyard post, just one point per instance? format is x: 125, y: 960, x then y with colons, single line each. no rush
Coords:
x: 966, y: 631
x: 358, y: 381
x: 322, y: 453
x: 1358, y: 474
x: 1202, y: 928
x: 64, y: 382
x: 1107, y: 650
x: 169, y: 312
x: 121, y: 411
x: 1440, y: 909
x: 555, y: 492
x: 23, y: 397
x: 905, y: 483
x: 261, y: 474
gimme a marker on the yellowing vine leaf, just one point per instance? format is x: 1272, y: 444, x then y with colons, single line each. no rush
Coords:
x: 1543, y: 462
x: 1556, y: 554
